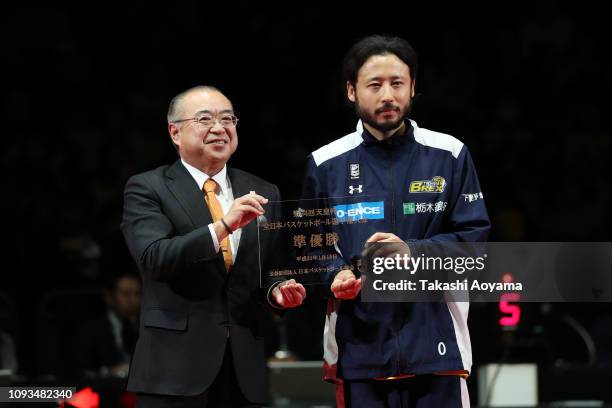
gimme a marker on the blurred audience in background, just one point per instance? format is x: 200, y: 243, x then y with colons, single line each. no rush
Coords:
x: 8, y: 355
x: 104, y: 345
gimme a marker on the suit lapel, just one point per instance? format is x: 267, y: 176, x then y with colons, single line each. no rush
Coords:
x: 188, y: 194
x: 241, y: 185
x: 191, y: 199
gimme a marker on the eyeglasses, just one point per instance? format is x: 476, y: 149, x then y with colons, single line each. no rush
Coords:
x: 226, y: 120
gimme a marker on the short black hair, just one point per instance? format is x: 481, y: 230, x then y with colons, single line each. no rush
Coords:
x: 176, y: 101
x: 111, y: 282
x: 363, y: 49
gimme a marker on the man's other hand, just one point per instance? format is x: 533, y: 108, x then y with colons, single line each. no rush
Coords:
x: 289, y: 294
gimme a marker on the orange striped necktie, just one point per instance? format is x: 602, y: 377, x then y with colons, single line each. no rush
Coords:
x: 210, y: 188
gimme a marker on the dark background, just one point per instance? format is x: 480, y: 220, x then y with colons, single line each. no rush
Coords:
x: 86, y: 89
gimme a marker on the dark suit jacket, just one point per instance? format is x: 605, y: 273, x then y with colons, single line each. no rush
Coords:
x: 95, y: 346
x: 189, y: 299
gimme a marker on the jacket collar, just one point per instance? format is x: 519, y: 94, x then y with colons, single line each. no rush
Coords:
x: 396, y: 140
x: 200, y: 177
x: 188, y: 194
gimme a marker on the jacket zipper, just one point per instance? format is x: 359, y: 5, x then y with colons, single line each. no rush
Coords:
x: 395, y: 333
x: 392, y: 191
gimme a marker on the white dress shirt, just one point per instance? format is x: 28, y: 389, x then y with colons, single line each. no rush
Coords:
x: 117, y: 327
x: 225, y: 197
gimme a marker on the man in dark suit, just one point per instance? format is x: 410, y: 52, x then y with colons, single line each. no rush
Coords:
x: 190, y: 228
x: 104, y: 345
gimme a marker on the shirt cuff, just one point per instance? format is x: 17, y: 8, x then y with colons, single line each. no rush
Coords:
x: 214, y: 237
x: 270, y: 301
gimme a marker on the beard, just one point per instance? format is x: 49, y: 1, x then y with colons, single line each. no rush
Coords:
x: 384, y: 125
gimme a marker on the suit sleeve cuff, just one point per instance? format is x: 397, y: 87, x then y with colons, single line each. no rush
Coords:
x: 213, y: 234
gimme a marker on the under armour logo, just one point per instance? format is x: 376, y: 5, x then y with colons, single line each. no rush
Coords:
x: 359, y: 189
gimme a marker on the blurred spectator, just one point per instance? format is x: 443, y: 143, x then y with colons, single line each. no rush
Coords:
x: 8, y: 355
x: 105, y: 344
x: 83, y: 253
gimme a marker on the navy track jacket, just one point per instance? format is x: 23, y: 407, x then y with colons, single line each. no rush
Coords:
x: 426, y: 186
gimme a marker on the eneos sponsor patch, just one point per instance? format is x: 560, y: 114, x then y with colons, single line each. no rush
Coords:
x: 374, y: 210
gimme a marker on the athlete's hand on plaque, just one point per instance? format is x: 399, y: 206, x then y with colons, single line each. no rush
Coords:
x: 385, y: 245
x: 345, y: 285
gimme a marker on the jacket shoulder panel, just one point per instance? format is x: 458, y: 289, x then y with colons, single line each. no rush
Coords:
x: 337, y: 147
x: 438, y: 140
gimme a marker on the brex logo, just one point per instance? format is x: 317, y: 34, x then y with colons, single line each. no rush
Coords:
x: 435, y: 185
